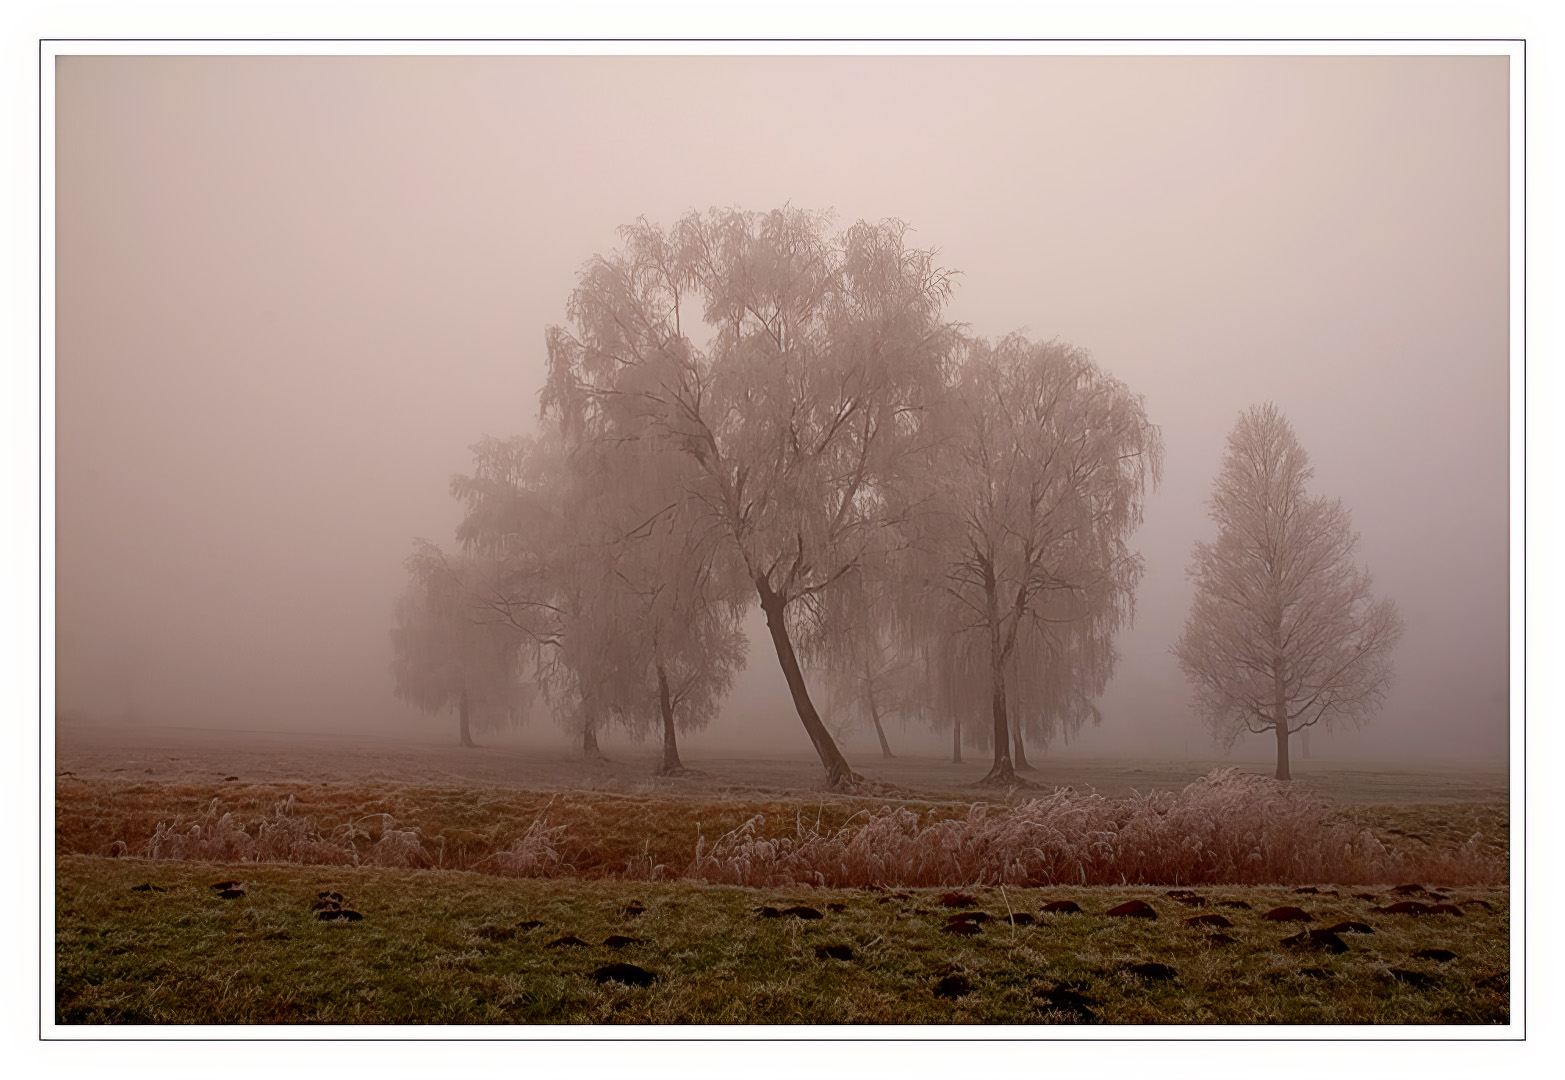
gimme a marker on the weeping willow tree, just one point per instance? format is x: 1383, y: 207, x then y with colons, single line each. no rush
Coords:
x: 1028, y: 502
x: 448, y: 654
x: 821, y: 352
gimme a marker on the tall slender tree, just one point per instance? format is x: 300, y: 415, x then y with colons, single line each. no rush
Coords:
x: 1283, y: 632
x: 1034, y: 489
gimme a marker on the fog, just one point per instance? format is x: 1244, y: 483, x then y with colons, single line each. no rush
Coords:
x: 292, y: 292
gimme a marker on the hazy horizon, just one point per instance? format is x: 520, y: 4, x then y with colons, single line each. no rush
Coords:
x: 292, y: 292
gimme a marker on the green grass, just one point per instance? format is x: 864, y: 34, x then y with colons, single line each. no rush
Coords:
x: 444, y: 947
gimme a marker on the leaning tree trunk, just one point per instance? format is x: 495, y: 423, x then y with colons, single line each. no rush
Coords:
x: 956, y: 740
x: 880, y: 732
x: 838, y: 774
x: 671, y: 765
x: 1020, y: 751
x: 461, y: 719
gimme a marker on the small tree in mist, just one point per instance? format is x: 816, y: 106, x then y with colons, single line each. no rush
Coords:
x: 685, y: 593
x: 865, y: 652
x: 1283, y: 632
x: 524, y: 506
x: 1032, y: 492
x: 824, y: 350
x: 447, y: 652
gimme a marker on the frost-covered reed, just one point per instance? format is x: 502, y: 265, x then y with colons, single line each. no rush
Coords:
x: 1229, y: 827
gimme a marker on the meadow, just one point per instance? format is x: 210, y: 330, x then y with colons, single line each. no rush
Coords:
x: 502, y: 887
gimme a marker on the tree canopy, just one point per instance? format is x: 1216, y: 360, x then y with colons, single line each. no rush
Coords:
x: 1283, y: 632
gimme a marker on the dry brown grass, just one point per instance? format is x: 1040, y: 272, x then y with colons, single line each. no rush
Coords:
x: 1230, y: 826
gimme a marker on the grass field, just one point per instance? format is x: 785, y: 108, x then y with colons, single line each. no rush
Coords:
x: 452, y: 947
x: 571, y: 846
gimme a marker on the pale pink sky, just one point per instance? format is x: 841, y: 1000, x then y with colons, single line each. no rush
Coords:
x: 292, y: 291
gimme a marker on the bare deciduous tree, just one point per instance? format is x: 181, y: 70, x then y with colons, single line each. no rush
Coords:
x: 447, y: 653
x: 1283, y: 632
x: 1037, y: 483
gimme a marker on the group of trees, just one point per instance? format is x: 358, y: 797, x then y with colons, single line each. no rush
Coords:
x: 749, y: 409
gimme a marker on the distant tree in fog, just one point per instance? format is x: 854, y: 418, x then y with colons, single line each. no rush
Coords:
x: 861, y: 646
x: 684, y: 592
x: 1283, y: 632
x: 447, y: 652
x: 1033, y: 488
x: 523, y: 512
x: 824, y: 351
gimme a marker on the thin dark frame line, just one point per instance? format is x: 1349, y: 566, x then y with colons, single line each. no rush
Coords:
x: 239, y: 1038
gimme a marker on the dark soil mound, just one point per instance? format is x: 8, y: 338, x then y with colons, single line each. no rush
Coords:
x: 1416, y: 979
x: 221, y: 886
x: 768, y: 913
x: 802, y: 911
x: 1219, y: 939
x: 1307, y: 890
x: 961, y: 928
x: 1239, y: 905
x: 1061, y: 999
x: 1021, y: 918
x: 1441, y: 955
x: 1288, y: 914
x: 1192, y: 900
x: 1371, y: 897
x: 1207, y: 920
x: 1408, y: 890
x: 231, y: 894
x: 619, y: 941
x: 1403, y: 907
x: 1061, y: 907
x: 1443, y: 909
x: 1350, y: 927
x: 957, y: 899
x: 632, y: 909
x: 629, y: 974
x: 569, y: 941
x: 979, y: 917
x: 833, y: 952
x: 953, y: 986
x: 839, y: 907
x: 147, y: 888
x: 529, y: 924
x: 1320, y: 940
x: 1160, y: 972
x: 339, y: 915
x: 1132, y: 909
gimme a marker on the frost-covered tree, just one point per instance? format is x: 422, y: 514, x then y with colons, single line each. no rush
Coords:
x: 525, y: 503
x: 448, y: 653
x: 1033, y: 489
x: 684, y: 594
x: 792, y: 366
x: 1283, y: 632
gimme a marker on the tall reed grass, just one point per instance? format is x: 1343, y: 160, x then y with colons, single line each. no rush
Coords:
x: 1229, y: 827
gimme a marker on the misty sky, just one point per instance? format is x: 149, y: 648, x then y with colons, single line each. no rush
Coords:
x: 293, y: 291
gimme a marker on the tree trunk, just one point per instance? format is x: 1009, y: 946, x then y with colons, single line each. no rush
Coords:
x: 956, y: 740
x: 671, y: 766
x: 838, y: 774
x: 1280, y: 705
x: 461, y: 717
x: 589, y: 740
x: 880, y: 732
x: 1020, y: 751
x: 1002, y: 771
